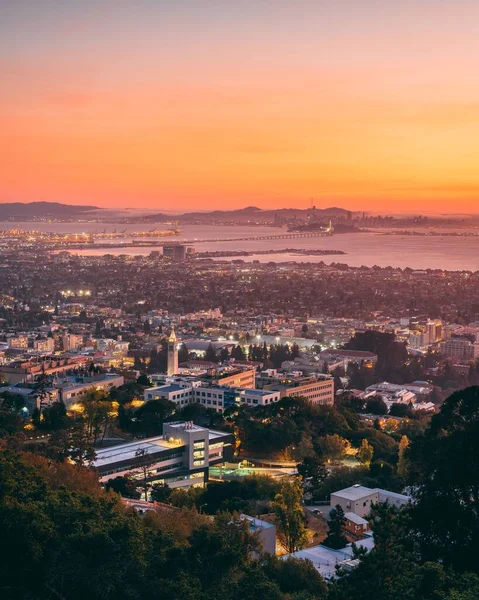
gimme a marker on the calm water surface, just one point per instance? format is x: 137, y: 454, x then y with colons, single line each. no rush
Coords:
x: 417, y: 252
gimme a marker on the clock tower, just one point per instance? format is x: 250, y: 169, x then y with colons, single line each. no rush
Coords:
x: 172, y: 354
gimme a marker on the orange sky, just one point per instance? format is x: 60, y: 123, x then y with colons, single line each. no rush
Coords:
x: 198, y: 104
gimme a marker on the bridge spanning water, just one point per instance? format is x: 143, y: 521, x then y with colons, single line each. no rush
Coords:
x: 191, y: 242
x: 282, y: 236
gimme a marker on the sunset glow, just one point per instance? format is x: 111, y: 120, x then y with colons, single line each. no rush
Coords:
x: 184, y: 104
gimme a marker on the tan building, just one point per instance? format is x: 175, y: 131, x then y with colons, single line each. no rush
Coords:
x: 72, y: 341
x: 244, y: 378
x: 460, y: 349
x: 28, y: 371
x: 316, y: 390
x: 72, y: 393
x: 356, y: 499
x: 20, y: 341
x: 44, y: 345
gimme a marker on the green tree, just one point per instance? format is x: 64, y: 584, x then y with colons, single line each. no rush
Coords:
x: 446, y: 473
x: 333, y: 447
x: 97, y: 411
x: 335, y: 538
x: 144, y: 380
x: 123, y: 485
x: 210, y: 354
x: 297, y: 577
x: 79, y: 448
x: 55, y: 417
x: 237, y: 353
x: 399, y: 410
x: 376, y: 406
x: 42, y: 392
x: 153, y: 414
x: 290, y: 514
x: 313, y: 473
x: 365, y: 453
x: 160, y: 492
x: 403, y: 459
x: 143, y: 463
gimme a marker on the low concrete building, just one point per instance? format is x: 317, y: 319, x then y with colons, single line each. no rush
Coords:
x: 265, y: 531
x: 72, y: 392
x: 30, y: 395
x: 356, y: 499
x: 355, y: 524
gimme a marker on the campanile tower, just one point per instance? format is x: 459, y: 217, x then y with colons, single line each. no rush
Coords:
x: 172, y: 354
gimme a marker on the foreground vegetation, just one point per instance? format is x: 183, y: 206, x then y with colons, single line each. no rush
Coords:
x: 66, y: 537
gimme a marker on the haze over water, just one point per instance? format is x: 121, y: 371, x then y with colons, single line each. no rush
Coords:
x: 369, y: 249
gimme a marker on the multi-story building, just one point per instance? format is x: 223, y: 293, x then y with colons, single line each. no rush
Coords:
x: 434, y: 330
x: 72, y: 392
x: 235, y: 377
x: 317, y: 390
x: 27, y: 371
x: 259, y: 397
x: 44, y: 345
x: 460, y: 349
x: 181, y: 457
x: 176, y: 252
x: 72, y: 341
x: 216, y: 397
x: 19, y: 341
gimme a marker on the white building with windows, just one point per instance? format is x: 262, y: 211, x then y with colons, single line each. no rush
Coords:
x: 181, y: 457
x: 358, y: 499
x: 218, y: 398
x: 259, y: 397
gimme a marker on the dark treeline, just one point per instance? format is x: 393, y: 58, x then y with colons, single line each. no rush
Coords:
x: 65, y: 537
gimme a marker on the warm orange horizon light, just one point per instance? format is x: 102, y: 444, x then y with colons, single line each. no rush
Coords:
x: 205, y: 105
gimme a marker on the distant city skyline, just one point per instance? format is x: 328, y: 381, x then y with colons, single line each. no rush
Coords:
x: 202, y: 105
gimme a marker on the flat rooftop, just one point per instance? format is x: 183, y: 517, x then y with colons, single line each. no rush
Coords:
x: 167, y: 389
x: 212, y: 433
x: 259, y: 393
x: 125, y: 452
x: 355, y: 492
x: 325, y: 559
x: 256, y: 524
x: 184, y: 427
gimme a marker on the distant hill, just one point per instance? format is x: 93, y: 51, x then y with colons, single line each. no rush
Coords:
x: 248, y: 214
x: 35, y: 210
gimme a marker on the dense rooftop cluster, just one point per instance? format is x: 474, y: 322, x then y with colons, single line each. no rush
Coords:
x: 139, y: 284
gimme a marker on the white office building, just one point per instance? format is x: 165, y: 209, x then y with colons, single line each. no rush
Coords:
x: 181, y: 457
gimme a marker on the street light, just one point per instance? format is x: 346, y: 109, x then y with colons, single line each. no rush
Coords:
x: 205, y: 504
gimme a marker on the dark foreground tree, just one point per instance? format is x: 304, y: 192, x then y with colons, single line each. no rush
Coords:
x: 64, y: 537
x: 335, y: 538
x: 445, y: 463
